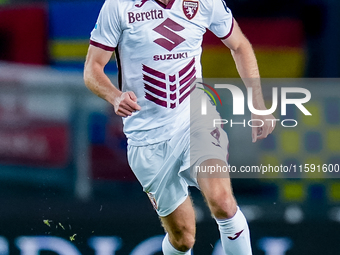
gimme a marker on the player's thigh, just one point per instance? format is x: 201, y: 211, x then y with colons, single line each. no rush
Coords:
x: 207, y: 144
x: 180, y: 224
x: 217, y: 190
x: 157, y: 169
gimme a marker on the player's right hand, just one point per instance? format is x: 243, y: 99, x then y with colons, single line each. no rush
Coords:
x: 125, y: 104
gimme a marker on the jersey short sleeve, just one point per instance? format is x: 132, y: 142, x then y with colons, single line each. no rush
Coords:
x: 107, y: 30
x: 222, y: 19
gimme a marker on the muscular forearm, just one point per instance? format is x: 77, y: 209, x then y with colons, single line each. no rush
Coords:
x: 97, y: 81
x: 245, y: 60
x: 246, y: 63
x: 247, y: 67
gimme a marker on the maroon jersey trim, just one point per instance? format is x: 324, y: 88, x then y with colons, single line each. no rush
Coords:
x: 231, y: 30
x: 168, y: 6
x: 99, y: 45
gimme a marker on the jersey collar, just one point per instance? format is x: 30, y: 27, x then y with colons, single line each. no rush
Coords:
x: 168, y: 6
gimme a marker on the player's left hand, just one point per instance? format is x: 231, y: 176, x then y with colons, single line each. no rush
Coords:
x: 262, y: 132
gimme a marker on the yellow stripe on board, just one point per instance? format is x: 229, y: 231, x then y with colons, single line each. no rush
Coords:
x: 273, y: 63
x: 290, y: 142
x: 69, y: 50
x: 293, y: 191
x: 316, y: 118
x: 333, y: 138
x: 281, y: 62
x: 334, y: 192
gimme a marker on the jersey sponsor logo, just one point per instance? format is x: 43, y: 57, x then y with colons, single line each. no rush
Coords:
x: 168, y: 90
x: 190, y: 8
x: 142, y: 16
x: 141, y: 3
x: 168, y: 29
x: 170, y: 56
x: 236, y: 235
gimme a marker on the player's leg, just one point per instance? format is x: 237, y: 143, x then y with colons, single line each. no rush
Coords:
x: 180, y: 228
x: 232, y: 224
x: 156, y: 167
x: 217, y: 191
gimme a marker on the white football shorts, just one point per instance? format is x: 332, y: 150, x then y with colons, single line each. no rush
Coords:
x: 163, y: 169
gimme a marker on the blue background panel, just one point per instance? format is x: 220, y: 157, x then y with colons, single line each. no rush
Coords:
x: 332, y: 110
x: 313, y: 142
x: 74, y: 19
x: 269, y: 143
x: 317, y: 192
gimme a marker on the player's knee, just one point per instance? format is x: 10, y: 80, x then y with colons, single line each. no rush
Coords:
x: 183, y: 238
x: 223, y: 206
x: 184, y: 242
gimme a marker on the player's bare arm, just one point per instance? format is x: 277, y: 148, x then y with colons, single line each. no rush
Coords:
x: 247, y: 68
x: 97, y: 81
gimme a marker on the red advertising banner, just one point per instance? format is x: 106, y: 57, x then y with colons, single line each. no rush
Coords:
x: 37, y: 145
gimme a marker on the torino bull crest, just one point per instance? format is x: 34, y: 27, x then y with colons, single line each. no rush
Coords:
x: 190, y: 8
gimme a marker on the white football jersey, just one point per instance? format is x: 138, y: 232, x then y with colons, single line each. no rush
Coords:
x: 158, y: 51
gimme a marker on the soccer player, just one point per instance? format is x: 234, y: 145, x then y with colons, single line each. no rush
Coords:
x: 158, y: 49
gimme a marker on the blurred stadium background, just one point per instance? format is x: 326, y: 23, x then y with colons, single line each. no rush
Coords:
x: 63, y: 169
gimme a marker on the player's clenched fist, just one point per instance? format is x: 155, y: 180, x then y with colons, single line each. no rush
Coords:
x: 262, y: 126
x: 125, y: 104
